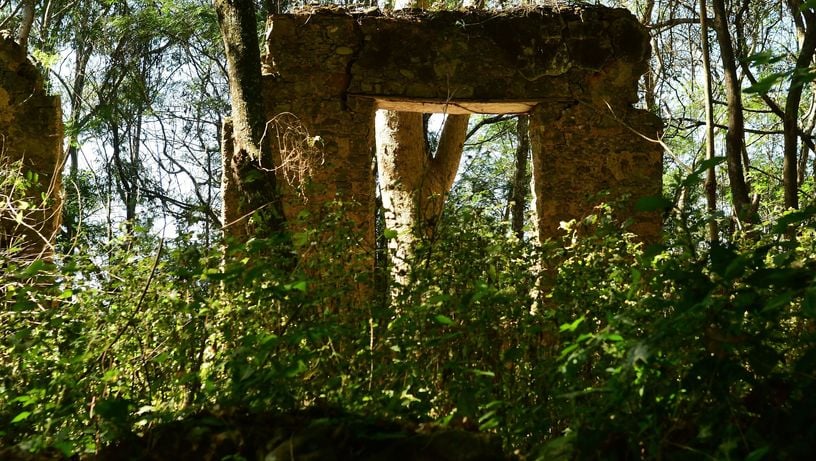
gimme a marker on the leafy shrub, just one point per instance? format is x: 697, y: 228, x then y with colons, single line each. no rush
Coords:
x: 591, y: 347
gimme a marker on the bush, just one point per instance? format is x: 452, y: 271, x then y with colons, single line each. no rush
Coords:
x: 592, y: 347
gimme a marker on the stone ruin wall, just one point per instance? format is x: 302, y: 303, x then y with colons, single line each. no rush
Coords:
x: 31, y: 131
x: 573, y: 69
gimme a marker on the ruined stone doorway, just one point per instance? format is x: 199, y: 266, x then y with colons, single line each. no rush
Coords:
x: 574, y: 69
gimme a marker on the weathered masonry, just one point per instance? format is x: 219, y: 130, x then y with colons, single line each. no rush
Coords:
x: 30, y: 139
x: 573, y: 69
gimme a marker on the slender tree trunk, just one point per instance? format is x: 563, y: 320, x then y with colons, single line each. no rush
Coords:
x: 810, y: 124
x: 520, y: 189
x: 252, y: 167
x: 735, y: 136
x: 440, y: 172
x: 83, y: 54
x: 127, y: 183
x: 807, y: 47
x: 650, y: 77
x: 711, y: 174
x: 26, y: 22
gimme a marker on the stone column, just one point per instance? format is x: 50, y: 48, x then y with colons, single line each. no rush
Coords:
x: 322, y: 139
x: 31, y: 135
x: 581, y: 150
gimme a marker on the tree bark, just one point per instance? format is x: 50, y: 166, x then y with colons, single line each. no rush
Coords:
x: 252, y: 167
x: 26, y: 22
x: 650, y: 77
x: 440, y: 172
x: 400, y: 151
x: 520, y: 189
x: 414, y: 183
x: 735, y: 136
x: 807, y: 47
x: 711, y: 174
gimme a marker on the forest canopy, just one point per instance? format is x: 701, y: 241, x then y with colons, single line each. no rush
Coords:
x: 152, y: 315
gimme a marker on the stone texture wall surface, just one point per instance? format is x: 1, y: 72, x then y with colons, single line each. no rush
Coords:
x: 575, y: 69
x: 582, y: 151
x: 461, y: 56
x: 306, y: 89
x: 31, y: 131
x: 526, y: 55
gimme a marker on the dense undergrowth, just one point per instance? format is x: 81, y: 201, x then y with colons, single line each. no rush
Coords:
x: 592, y: 347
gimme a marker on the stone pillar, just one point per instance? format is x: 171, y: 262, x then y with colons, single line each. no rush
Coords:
x: 581, y: 150
x: 31, y: 135
x: 324, y: 138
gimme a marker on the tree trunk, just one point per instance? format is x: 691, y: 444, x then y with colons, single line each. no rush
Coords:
x: 711, y: 174
x: 810, y: 124
x: 650, y: 77
x: 252, y: 168
x: 807, y: 47
x: 520, y: 189
x: 71, y: 219
x: 414, y: 183
x: 735, y: 136
x: 26, y: 22
x: 400, y: 151
x: 440, y: 172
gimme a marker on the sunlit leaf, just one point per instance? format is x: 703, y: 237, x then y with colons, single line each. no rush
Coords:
x: 482, y: 372
x: 22, y: 416
x: 296, y: 286
x: 572, y: 326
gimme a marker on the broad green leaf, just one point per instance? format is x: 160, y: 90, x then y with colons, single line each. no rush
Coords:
x: 444, y: 319
x: 296, y: 369
x: 22, y: 416
x: 794, y: 217
x: 802, y: 76
x: 567, y: 350
x: 296, y: 286
x: 572, y: 326
x: 34, y: 268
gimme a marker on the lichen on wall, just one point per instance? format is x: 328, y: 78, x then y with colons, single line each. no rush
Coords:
x: 31, y: 134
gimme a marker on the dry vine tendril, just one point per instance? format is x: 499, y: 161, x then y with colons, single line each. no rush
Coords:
x: 300, y: 153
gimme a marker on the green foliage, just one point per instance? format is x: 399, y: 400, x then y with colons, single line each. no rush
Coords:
x: 677, y: 352
x: 590, y: 347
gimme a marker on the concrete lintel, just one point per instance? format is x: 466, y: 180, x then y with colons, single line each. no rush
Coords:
x: 430, y: 106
